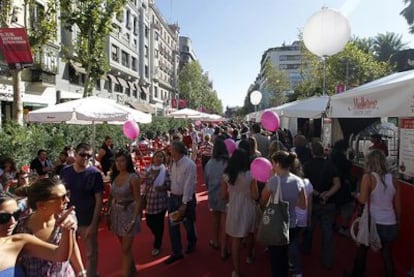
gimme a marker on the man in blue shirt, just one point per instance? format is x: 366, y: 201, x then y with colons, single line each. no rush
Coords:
x: 86, y: 187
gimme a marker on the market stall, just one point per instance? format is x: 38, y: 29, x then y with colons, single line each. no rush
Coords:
x: 389, y: 100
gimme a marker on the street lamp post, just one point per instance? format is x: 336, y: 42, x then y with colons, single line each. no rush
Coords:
x: 255, y: 98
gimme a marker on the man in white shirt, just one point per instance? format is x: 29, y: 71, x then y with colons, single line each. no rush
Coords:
x: 182, y: 199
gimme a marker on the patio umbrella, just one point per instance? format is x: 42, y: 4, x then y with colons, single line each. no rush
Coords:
x: 90, y: 110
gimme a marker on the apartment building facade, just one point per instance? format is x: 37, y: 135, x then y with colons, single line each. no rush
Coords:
x: 286, y: 58
x: 142, y: 51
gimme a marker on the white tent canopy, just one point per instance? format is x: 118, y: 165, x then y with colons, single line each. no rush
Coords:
x: 186, y: 113
x: 390, y: 96
x: 195, y: 115
x: 313, y: 107
x: 88, y: 110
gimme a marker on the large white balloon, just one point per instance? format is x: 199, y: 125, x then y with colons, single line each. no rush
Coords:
x: 326, y: 32
x: 255, y: 97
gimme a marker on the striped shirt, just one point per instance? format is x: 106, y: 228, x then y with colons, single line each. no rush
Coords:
x: 205, y: 149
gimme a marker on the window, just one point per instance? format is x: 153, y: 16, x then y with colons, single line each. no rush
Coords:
x: 146, y: 71
x: 156, y: 92
x: 135, y: 26
x: 283, y: 58
x: 115, y: 53
x: 135, y: 93
x: 146, y: 51
x: 146, y: 31
x: 128, y: 22
x: 37, y: 14
x: 117, y: 88
x: 125, y: 59
x: 156, y: 53
x: 133, y: 63
x: 156, y: 36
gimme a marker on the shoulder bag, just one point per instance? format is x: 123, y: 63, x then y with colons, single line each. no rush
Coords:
x: 274, y: 226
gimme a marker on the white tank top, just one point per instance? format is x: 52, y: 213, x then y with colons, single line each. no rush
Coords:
x: 382, y: 201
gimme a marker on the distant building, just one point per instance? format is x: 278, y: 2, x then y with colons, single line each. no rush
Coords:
x: 287, y: 58
x: 187, y: 54
x: 142, y: 50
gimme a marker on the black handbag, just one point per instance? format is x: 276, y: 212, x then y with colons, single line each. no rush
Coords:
x: 274, y: 226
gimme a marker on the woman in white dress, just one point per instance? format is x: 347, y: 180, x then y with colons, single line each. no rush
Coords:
x: 241, y: 212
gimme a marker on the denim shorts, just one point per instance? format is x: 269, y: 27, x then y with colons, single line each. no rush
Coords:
x: 387, y: 233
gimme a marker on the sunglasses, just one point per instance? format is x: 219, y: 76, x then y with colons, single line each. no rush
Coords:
x: 61, y: 197
x: 85, y: 155
x: 5, y: 217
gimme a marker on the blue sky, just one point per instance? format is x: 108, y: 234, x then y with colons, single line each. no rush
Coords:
x: 230, y: 36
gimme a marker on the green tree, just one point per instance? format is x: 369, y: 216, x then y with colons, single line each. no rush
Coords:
x: 196, y: 88
x: 408, y: 14
x: 386, y: 45
x: 276, y: 84
x: 93, y: 21
x: 352, y: 67
x: 41, y: 27
x: 365, y: 44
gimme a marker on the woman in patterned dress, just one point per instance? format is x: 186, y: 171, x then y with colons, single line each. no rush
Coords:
x: 47, y: 197
x: 124, y: 210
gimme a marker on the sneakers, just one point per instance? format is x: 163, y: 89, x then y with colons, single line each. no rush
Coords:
x: 155, y: 252
x: 174, y: 258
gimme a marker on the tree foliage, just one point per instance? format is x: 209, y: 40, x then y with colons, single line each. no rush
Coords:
x: 93, y: 21
x: 22, y: 142
x: 276, y: 84
x: 41, y: 24
x: 352, y: 67
x: 386, y: 45
x: 408, y: 14
x: 5, y: 11
x: 195, y: 87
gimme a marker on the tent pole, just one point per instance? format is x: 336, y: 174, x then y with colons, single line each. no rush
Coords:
x: 93, y: 141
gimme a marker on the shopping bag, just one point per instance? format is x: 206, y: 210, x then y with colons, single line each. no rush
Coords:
x: 274, y: 226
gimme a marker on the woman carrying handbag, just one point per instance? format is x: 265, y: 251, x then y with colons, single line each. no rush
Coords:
x: 378, y: 188
x: 285, y: 187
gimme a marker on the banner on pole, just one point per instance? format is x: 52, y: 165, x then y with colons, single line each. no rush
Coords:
x: 15, y: 47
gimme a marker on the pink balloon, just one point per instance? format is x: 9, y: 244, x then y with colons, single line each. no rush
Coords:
x: 230, y: 145
x: 270, y: 121
x: 261, y: 169
x: 131, y: 129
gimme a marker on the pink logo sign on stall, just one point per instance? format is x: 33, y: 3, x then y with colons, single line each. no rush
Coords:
x: 363, y: 105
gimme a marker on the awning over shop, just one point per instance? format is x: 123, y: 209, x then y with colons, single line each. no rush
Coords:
x: 33, y: 100
x: 390, y: 96
x: 145, y: 90
x: 141, y: 106
x: 131, y: 85
x: 112, y: 78
x: 78, y: 67
x: 70, y: 95
x: 122, y: 82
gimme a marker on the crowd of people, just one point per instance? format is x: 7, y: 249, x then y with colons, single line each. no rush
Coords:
x: 40, y: 214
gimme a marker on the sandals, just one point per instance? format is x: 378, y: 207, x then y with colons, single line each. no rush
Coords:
x: 213, y: 245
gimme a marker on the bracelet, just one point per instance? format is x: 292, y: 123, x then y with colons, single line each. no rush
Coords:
x: 82, y: 273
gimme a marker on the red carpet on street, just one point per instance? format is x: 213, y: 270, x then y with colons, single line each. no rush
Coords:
x: 206, y: 262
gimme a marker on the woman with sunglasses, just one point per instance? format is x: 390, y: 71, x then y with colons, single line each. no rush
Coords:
x: 47, y: 197
x: 124, y: 210
x: 12, y: 245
